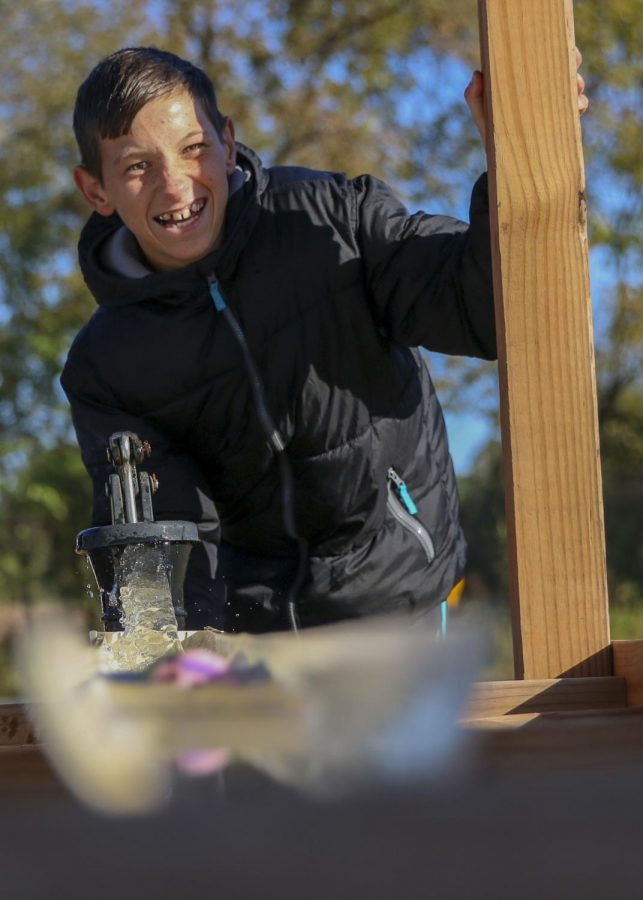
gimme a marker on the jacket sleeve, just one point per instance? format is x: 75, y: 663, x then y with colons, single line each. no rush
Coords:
x: 183, y: 492
x: 428, y: 277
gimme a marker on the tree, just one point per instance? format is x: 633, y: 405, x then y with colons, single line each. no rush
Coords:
x: 621, y: 430
x: 38, y: 513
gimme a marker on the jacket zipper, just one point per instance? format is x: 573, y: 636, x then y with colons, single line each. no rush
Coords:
x: 404, y: 510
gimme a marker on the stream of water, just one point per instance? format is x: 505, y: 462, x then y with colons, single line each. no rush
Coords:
x: 149, y: 624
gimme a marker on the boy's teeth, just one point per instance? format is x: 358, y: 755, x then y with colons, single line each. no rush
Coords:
x: 183, y: 214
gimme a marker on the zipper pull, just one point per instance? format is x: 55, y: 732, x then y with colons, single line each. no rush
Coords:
x: 215, y: 292
x: 403, y: 491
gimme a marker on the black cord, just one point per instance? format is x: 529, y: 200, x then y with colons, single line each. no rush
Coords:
x: 278, y: 446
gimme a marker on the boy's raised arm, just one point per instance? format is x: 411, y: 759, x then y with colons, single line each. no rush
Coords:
x: 428, y: 277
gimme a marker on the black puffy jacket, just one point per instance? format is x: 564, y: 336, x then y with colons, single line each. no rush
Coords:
x: 331, y: 281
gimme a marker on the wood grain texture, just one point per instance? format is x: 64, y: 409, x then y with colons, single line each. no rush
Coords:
x: 607, y: 738
x: 500, y: 698
x: 15, y: 725
x: 628, y: 663
x: 546, y: 361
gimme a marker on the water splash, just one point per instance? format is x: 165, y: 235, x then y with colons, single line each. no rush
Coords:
x: 88, y: 587
x: 149, y: 623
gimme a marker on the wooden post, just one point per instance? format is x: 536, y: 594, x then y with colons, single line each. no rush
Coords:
x: 547, y: 379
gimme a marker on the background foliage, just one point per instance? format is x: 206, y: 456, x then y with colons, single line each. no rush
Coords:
x: 356, y: 85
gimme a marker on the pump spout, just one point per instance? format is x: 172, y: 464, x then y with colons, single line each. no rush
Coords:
x: 130, y: 494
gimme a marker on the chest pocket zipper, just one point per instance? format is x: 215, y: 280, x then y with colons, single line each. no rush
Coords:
x: 401, y: 505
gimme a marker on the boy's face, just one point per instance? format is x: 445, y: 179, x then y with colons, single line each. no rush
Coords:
x: 167, y: 179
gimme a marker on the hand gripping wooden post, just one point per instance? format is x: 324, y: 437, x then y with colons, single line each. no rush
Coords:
x: 543, y: 310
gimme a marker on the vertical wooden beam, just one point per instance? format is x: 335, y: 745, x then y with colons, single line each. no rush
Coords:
x: 543, y: 308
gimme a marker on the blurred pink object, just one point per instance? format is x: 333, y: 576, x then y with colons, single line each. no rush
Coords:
x: 189, y: 670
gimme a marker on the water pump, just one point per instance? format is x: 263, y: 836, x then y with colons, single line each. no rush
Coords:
x: 168, y: 543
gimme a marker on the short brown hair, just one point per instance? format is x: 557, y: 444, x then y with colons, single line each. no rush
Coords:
x: 120, y: 86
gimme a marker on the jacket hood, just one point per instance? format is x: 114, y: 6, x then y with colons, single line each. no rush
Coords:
x: 113, y: 289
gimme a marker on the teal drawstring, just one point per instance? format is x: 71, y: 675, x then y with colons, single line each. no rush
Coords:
x: 444, y: 617
x: 215, y: 293
x: 441, y: 629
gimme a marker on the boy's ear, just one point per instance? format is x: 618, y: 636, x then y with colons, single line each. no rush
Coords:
x: 227, y: 139
x: 92, y: 190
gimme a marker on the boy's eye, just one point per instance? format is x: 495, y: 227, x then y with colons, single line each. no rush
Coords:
x: 193, y: 147
x: 137, y: 167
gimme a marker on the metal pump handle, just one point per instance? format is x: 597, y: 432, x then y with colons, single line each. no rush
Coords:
x: 129, y: 491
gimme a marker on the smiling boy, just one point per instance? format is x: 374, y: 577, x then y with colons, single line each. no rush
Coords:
x: 167, y: 178
x: 257, y: 327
